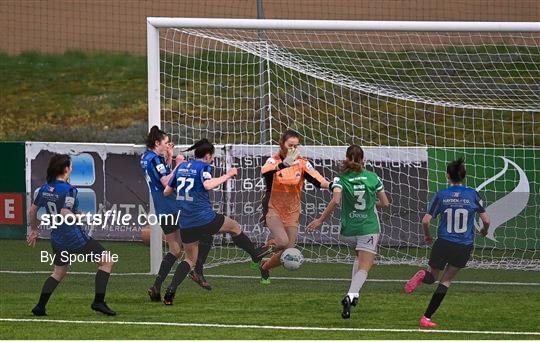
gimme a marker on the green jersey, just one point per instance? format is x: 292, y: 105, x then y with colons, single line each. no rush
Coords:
x: 359, y: 195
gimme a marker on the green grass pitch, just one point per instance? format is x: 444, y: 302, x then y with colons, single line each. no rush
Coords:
x: 243, y: 301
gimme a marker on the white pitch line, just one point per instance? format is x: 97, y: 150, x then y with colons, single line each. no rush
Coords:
x: 271, y: 327
x: 372, y: 280
x: 472, y: 282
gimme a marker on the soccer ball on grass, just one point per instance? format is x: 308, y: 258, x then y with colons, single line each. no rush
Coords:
x: 292, y: 259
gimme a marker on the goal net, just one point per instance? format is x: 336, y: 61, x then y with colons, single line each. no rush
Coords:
x: 414, y: 98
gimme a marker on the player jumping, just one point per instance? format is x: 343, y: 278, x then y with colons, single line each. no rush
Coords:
x: 457, y: 205
x: 60, y: 198
x: 156, y: 163
x: 192, y: 180
x: 362, y: 193
x: 284, y: 175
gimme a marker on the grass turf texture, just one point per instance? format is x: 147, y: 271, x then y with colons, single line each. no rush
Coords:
x: 245, y: 301
x: 102, y: 97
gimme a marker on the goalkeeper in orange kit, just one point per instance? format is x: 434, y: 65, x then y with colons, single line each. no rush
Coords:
x: 284, y: 174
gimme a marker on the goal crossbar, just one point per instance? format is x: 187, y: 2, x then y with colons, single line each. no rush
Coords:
x: 344, y: 25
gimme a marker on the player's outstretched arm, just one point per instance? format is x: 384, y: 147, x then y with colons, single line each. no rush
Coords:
x: 215, y: 182
x: 334, y: 202
x: 314, y: 177
x: 486, y: 221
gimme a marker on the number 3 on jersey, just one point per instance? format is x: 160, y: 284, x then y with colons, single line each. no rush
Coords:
x: 360, y: 200
x: 456, y: 220
x: 182, y: 181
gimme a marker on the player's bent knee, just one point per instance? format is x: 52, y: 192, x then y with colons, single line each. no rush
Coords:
x: 281, y: 243
x: 175, y: 249
x: 235, y: 229
x: 106, y: 265
x: 59, y: 274
x: 191, y: 261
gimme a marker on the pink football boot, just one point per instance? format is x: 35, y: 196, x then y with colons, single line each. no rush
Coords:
x: 427, y: 323
x: 416, y: 279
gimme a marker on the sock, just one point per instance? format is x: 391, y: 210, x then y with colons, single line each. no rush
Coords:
x: 102, y: 278
x: 436, y: 300
x: 428, y: 278
x: 242, y: 241
x: 352, y: 296
x: 354, y: 268
x: 204, y: 248
x: 46, y: 291
x: 180, y: 274
x: 357, y: 282
x: 274, y: 261
x: 166, y: 264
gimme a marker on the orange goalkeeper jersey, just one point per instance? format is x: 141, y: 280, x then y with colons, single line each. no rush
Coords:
x: 284, y: 185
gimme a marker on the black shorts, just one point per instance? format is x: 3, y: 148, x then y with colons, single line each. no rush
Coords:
x: 195, y: 234
x: 168, y: 224
x: 62, y: 259
x: 445, y: 252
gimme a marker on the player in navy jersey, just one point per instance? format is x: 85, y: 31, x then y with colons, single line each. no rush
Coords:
x: 191, y: 182
x: 457, y: 206
x: 156, y: 163
x: 60, y: 198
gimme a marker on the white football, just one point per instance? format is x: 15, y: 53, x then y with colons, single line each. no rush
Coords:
x: 292, y: 259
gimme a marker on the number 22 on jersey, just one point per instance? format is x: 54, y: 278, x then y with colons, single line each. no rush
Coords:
x: 188, y: 184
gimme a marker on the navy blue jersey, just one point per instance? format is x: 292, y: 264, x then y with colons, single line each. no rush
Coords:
x: 155, y: 167
x: 194, y: 201
x: 457, y: 205
x: 54, y: 197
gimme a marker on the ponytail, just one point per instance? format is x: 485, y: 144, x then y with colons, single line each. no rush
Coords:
x: 202, y: 148
x: 354, y: 159
x: 57, y: 166
x: 154, y: 135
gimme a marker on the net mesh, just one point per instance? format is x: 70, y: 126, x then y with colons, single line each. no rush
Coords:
x: 414, y: 101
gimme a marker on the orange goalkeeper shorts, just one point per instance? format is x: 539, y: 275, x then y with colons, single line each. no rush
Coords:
x: 288, y: 220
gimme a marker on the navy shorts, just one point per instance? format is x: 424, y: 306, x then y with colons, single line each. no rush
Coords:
x: 194, y: 234
x: 92, y: 246
x: 446, y: 252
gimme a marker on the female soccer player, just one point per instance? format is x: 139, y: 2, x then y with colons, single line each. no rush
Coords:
x: 156, y: 163
x: 284, y: 175
x: 457, y: 205
x: 60, y: 198
x: 192, y: 180
x: 362, y: 192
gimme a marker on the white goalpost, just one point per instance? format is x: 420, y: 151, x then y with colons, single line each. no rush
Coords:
x: 414, y: 95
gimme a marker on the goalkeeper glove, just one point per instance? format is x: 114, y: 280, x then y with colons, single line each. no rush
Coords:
x: 292, y: 154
